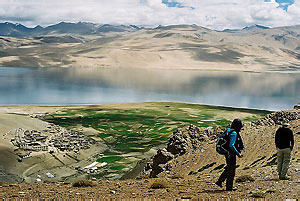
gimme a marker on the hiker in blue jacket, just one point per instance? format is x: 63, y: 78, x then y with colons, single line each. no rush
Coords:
x: 235, y: 146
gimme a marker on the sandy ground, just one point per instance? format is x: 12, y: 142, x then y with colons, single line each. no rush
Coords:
x: 190, y: 187
x: 11, y: 121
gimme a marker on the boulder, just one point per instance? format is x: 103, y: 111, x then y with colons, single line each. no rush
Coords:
x: 188, y: 137
x: 162, y: 157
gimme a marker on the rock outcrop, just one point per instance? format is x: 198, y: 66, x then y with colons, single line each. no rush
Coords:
x: 277, y: 118
x: 183, y: 139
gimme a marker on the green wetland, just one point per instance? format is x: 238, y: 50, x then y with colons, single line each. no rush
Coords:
x: 134, y: 131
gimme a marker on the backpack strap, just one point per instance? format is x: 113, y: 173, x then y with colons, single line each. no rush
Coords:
x: 231, y: 131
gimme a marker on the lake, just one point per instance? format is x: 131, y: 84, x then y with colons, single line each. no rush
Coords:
x: 67, y: 86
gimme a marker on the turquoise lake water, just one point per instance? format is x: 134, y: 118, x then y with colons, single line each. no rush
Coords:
x: 61, y: 86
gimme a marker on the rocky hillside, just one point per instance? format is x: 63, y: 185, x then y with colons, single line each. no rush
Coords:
x: 188, y: 167
x: 193, y: 148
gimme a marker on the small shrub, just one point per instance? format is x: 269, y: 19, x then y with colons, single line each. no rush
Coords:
x: 270, y: 191
x: 258, y: 195
x: 245, y: 178
x: 48, y: 182
x: 83, y: 183
x: 66, y: 183
x: 158, y: 184
x: 186, y: 197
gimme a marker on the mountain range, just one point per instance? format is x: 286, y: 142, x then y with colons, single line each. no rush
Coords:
x: 84, y: 28
x: 253, y: 48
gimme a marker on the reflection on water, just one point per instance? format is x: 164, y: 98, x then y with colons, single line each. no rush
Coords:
x: 273, y: 91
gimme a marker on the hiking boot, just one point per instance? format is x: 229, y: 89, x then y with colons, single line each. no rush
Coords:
x: 284, y: 178
x: 233, y: 189
x: 219, y: 184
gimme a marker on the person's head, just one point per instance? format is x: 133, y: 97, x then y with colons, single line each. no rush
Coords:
x: 237, y: 125
x: 285, y: 124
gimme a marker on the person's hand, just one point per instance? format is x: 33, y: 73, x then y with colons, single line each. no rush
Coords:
x: 240, y: 156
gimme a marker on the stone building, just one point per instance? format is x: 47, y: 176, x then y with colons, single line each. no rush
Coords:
x: 58, y: 137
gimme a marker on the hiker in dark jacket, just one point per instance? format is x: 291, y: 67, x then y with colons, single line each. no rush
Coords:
x: 235, y: 147
x: 284, y: 141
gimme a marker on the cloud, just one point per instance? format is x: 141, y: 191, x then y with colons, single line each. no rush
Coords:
x: 215, y: 14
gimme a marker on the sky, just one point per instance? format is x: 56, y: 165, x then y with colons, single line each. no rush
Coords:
x: 213, y: 14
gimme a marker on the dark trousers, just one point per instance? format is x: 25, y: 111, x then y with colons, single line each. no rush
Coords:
x: 228, y: 173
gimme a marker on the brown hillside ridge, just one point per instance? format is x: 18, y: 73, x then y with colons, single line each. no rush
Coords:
x: 170, y: 47
x: 188, y: 167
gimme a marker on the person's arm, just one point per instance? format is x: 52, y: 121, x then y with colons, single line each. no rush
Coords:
x: 232, y: 142
x: 292, y: 139
x: 276, y: 138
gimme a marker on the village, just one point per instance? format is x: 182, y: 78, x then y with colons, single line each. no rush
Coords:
x: 62, y: 148
x: 53, y: 138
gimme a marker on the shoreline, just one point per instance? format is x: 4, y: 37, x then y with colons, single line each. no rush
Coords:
x: 159, y: 68
x: 109, y: 104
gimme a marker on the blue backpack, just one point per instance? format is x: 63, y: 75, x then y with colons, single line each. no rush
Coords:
x: 222, y: 144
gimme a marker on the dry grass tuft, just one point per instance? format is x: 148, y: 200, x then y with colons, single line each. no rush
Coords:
x: 258, y: 195
x: 245, y: 178
x: 83, y: 183
x: 176, y: 176
x: 159, y: 184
